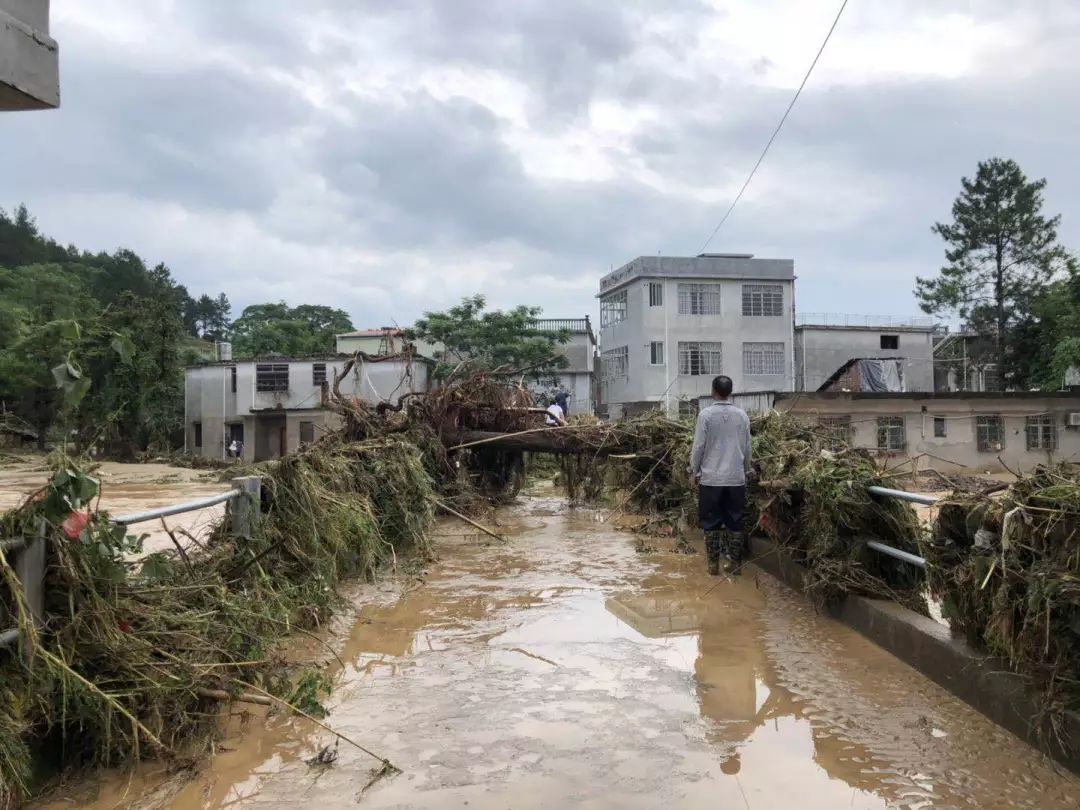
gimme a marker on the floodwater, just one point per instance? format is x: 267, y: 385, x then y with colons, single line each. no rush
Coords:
x: 128, y: 488
x: 565, y: 669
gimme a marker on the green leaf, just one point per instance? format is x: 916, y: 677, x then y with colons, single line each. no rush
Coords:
x: 124, y: 347
x: 69, y: 330
x: 86, y: 488
x: 74, y: 393
x: 60, y: 374
x: 155, y: 568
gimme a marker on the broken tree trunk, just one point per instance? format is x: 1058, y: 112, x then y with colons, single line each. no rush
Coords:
x: 538, y: 440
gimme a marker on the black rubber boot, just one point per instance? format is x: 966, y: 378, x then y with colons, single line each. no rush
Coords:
x: 712, y: 550
x: 736, y: 552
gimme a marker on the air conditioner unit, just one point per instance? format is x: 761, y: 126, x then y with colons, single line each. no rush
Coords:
x: 1073, y: 419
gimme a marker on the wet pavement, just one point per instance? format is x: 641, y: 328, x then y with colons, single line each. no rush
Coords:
x: 564, y: 669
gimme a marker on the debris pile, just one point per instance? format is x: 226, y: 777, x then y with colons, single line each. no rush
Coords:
x: 1006, y: 569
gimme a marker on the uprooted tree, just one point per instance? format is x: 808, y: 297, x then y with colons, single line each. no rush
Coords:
x: 1001, y: 252
x: 473, y: 340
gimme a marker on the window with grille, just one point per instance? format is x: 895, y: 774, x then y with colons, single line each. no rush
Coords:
x: 613, y: 308
x: 989, y: 433
x: 939, y: 427
x: 688, y: 408
x: 318, y: 373
x: 614, y: 364
x: 890, y: 433
x: 762, y: 299
x: 699, y: 299
x: 272, y: 377
x: 837, y: 428
x: 656, y: 294
x: 656, y: 353
x: 198, y: 433
x: 232, y: 375
x: 1041, y: 433
x: 307, y: 432
x: 763, y: 358
x: 700, y: 358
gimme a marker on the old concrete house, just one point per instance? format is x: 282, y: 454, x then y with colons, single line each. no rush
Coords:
x: 382, y: 341
x: 951, y: 431
x: 669, y: 324
x: 273, y: 405
x: 29, y: 57
x: 579, y: 377
x: 825, y: 343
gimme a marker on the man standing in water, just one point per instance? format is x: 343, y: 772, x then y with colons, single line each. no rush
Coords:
x: 719, y: 465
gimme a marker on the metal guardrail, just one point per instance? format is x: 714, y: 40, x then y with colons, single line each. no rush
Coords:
x: 900, y: 495
x: 30, y: 564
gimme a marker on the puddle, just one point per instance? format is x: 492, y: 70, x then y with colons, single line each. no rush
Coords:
x: 562, y: 669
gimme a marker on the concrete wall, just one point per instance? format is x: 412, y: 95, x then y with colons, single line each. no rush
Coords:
x: 645, y: 324
x: 958, y: 449
x: 210, y: 401
x: 29, y: 57
x: 370, y: 344
x: 820, y: 351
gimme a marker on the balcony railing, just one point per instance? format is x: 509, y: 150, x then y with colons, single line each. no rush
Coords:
x: 560, y: 324
x: 849, y: 319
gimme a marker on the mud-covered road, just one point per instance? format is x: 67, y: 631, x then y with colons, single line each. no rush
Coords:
x: 566, y: 669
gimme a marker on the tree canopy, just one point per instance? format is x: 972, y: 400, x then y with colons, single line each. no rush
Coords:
x: 278, y: 329
x: 479, y: 340
x: 1002, y: 254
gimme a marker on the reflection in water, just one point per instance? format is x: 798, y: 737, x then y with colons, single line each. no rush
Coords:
x: 563, y: 669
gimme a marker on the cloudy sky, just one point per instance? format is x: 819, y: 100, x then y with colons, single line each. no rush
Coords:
x: 391, y: 157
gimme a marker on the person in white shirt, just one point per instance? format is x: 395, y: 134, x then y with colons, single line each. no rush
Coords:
x: 556, y: 412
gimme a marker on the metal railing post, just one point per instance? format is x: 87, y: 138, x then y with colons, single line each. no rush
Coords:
x: 30, y: 568
x: 244, y: 509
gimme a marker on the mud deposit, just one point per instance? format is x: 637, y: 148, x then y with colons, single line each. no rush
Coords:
x: 563, y: 669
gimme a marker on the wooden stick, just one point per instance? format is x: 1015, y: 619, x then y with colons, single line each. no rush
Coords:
x: 225, y: 697
x: 468, y: 520
x: 319, y: 723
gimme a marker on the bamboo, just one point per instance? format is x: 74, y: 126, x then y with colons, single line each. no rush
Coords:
x: 468, y: 520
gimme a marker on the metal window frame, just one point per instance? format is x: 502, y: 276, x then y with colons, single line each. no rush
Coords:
x: 887, y: 428
x: 838, y: 426
x: 1044, y: 430
x: 944, y: 427
x: 613, y: 308
x: 766, y: 299
x: 232, y: 370
x: 311, y: 426
x: 881, y: 342
x: 197, y: 438
x: 984, y: 442
x: 615, y: 364
x: 763, y: 358
x: 655, y: 345
x: 271, y: 378
x: 699, y: 298
x: 706, y: 358
x: 316, y: 368
x: 656, y: 293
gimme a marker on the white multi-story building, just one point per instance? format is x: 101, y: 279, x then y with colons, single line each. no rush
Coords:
x: 669, y: 324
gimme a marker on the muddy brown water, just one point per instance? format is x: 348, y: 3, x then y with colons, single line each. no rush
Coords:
x: 563, y: 669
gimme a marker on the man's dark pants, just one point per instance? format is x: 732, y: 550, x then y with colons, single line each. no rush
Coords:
x: 721, y: 508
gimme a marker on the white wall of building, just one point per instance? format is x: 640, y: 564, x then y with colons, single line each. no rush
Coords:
x: 821, y: 350
x: 957, y: 415
x: 29, y: 57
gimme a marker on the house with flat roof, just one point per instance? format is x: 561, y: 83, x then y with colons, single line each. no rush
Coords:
x: 669, y: 324
x: 273, y: 405
x: 826, y: 344
x: 29, y: 57
x: 579, y: 377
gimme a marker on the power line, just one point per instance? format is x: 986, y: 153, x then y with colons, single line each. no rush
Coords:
x: 776, y: 131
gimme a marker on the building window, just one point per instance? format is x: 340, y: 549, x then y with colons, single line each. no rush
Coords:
x: 939, y: 427
x: 307, y: 432
x: 890, y: 433
x: 318, y: 374
x: 272, y: 377
x: 198, y: 433
x: 656, y: 353
x: 837, y: 429
x: 699, y: 299
x: 1041, y: 434
x: 763, y: 358
x: 614, y: 364
x: 656, y: 294
x: 232, y: 376
x: 989, y: 433
x: 613, y: 308
x: 689, y: 408
x: 700, y: 358
x: 890, y: 341
x: 762, y: 299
